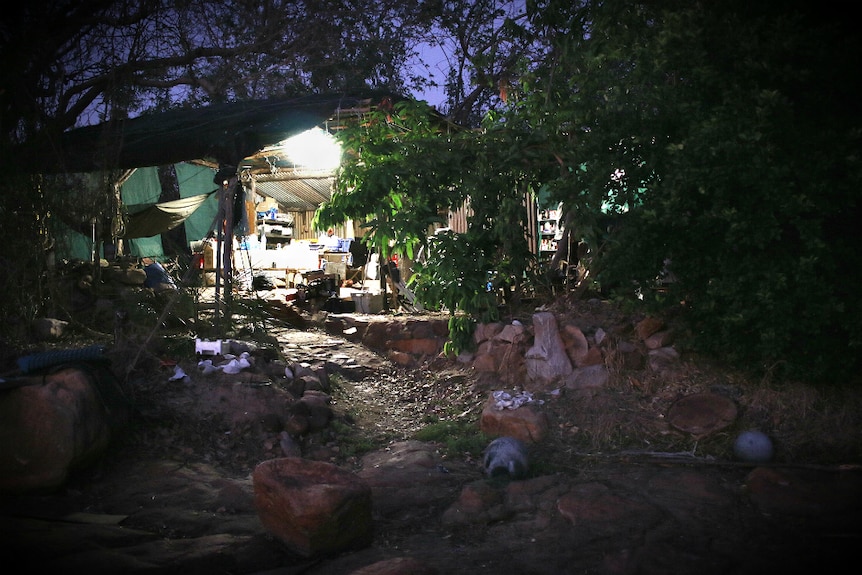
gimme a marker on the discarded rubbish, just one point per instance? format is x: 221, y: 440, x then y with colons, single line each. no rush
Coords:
x: 243, y: 360
x: 178, y: 375
x: 505, y: 400
x: 233, y: 365
x: 217, y: 347
x: 206, y: 366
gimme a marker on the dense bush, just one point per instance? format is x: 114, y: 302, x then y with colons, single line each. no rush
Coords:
x: 720, y: 140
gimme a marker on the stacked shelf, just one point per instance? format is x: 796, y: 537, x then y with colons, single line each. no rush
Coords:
x: 275, y: 232
x: 549, y: 233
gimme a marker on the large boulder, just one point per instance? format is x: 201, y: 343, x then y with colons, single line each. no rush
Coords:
x: 51, y: 424
x: 406, y: 476
x: 314, y: 508
x: 547, y: 361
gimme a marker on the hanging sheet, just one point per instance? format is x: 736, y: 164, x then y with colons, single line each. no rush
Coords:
x: 154, y: 219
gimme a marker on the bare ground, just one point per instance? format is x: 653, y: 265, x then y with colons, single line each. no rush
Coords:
x: 613, y: 489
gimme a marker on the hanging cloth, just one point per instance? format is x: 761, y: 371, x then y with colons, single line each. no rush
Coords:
x: 148, y: 220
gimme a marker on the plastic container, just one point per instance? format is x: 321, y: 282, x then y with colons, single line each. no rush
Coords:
x: 217, y: 347
x: 361, y: 301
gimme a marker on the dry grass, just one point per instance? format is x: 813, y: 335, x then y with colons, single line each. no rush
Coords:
x: 808, y: 425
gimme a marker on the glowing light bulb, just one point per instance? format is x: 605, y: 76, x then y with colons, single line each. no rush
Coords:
x: 314, y: 149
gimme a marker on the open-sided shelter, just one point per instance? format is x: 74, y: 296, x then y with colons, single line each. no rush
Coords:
x: 210, y: 149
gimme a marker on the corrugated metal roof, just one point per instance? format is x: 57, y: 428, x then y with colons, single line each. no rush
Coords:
x: 295, y: 194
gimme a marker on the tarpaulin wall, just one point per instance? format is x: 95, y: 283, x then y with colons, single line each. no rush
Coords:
x: 143, y: 187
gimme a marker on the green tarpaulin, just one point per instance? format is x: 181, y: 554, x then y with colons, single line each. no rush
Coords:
x: 196, y: 211
x: 141, y: 193
x: 151, y: 220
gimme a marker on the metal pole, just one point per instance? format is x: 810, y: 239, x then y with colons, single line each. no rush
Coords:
x: 230, y: 195
x: 217, y: 258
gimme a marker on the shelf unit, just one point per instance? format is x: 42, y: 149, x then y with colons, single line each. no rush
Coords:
x: 274, y: 232
x: 549, y: 232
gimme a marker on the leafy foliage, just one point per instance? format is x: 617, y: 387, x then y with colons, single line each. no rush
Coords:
x: 725, y: 136
x: 714, y: 144
x: 406, y: 169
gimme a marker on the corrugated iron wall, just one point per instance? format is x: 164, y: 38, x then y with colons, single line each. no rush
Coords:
x: 458, y: 221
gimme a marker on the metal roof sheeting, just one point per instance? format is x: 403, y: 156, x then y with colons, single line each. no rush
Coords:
x: 295, y: 194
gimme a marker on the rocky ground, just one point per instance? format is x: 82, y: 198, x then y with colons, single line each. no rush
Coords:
x: 613, y: 488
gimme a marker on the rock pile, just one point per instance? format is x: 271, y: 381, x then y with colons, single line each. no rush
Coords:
x: 541, y: 357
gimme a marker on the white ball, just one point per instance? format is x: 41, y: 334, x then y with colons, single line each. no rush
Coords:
x: 753, y: 446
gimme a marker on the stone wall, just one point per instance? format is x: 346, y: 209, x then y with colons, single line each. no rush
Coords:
x: 549, y: 352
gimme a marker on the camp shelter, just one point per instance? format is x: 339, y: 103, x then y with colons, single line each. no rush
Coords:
x: 233, y: 144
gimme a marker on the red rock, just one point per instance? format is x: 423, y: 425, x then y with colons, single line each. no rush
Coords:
x: 401, y: 358
x: 593, y: 356
x: 314, y: 407
x: 485, y: 362
x: 296, y: 424
x: 313, y: 507
x: 511, y: 334
x: 659, y: 339
x: 592, y: 506
x: 493, y: 354
x: 576, y: 344
x: 486, y: 331
x: 478, y: 496
x: 524, y: 423
x: 702, y: 413
x: 376, y: 336
x: 472, y: 505
x: 419, y: 329
x: 51, y: 426
x: 648, y: 326
x: 589, y: 377
x: 425, y: 346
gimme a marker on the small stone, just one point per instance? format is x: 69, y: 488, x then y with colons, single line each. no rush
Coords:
x: 753, y: 446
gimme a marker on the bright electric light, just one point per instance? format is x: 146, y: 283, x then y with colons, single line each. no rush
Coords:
x: 314, y: 149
